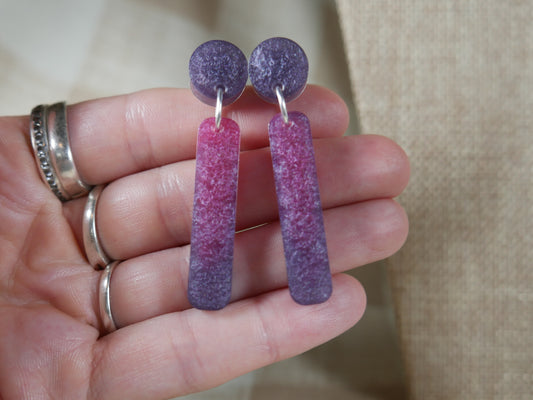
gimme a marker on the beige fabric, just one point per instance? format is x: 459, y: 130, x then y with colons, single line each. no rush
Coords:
x: 452, y: 81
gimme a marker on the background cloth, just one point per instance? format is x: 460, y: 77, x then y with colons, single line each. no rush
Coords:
x: 452, y: 82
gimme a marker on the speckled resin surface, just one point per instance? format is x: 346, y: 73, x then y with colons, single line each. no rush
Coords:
x: 214, y: 64
x: 213, y: 221
x: 300, y: 209
x: 278, y: 62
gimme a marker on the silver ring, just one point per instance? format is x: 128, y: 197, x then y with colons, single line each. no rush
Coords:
x: 95, y: 254
x: 104, y: 298
x: 218, y: 108
x: 282, y: 104
x: 51, y: 147
x: 41, y: 149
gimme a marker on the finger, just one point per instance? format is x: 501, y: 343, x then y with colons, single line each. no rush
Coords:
x: 154, y: 207
x: 22, y: 188
x: 121, y: 135
x: 155, y: 284
x: 194, y: 350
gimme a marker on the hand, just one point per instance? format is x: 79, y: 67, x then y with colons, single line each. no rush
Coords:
x: 51, y: 339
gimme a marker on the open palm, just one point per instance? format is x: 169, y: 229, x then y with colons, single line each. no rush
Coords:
x: 52, y: 343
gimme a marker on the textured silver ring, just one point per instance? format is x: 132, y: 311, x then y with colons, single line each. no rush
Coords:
x: 51, y: 147
x: 41, y: 149
x: 104, y: 298
x: 95, y: 253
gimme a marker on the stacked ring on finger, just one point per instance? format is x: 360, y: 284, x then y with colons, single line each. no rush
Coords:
x: 51, y: 148
x: 98, y: 258
x: 104, y: 298
x: 95, y: 253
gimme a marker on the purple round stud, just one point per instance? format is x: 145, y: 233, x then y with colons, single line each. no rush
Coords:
x: 278, y: 62
x: 218, y: 64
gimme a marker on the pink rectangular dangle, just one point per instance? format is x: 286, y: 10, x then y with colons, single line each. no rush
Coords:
x: 300, y: 209
x: 213, y: 221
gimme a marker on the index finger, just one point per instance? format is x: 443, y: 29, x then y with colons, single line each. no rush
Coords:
x: 121, y: 135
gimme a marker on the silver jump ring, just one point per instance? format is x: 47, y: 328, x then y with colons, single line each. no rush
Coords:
x: 218, y: 107
x: 51, y: 147
x: 282, y: 104
x: 95, y: 253
x: 104, y: 298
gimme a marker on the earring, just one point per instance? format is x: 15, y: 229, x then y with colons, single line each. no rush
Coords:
x: 278, y: 70
x: 218, y: 74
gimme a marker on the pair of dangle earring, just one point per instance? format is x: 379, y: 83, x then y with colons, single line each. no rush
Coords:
x: 278, y: 70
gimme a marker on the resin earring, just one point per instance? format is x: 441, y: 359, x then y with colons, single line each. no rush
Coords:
x: 278, y: 70
x: 218, y: 74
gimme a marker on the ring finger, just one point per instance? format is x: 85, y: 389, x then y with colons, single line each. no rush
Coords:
x: 156, y: 283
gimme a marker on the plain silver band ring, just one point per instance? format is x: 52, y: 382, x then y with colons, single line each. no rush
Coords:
x: 104, y: 298
x: 51, y: 146
x: 60, y: 153
x: 95, y: 254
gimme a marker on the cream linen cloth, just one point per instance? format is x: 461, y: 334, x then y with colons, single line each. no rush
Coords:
x: 452, y: 81
x: 75, y: 50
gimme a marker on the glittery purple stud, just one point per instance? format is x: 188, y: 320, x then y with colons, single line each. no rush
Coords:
x: 278, y: 71
x: 278, y: 62
x: 218, y: 76
x: 218, y: 64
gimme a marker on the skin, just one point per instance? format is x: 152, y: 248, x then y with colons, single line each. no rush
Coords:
x: 143, y: 144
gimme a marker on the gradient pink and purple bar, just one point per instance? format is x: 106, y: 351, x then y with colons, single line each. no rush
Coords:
x: 300, y: 209
x: 213, y: 221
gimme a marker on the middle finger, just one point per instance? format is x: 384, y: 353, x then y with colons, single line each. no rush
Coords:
x: 151, y: 210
